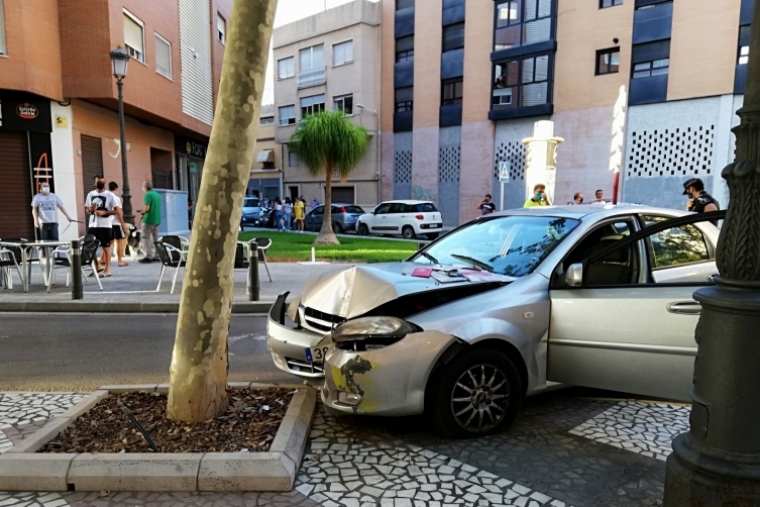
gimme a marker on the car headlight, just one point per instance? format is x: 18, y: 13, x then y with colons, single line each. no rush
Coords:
x: 371, y: 332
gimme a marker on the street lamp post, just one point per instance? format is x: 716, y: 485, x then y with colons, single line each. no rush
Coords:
x: 120, y: 61
x: 717, y: 463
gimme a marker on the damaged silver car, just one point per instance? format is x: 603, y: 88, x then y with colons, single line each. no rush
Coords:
x: 597, y: 296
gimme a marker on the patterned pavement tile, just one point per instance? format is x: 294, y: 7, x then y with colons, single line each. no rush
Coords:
x: 645, y: 428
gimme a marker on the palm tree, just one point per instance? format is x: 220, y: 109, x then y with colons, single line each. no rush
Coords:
x: 327, y: 141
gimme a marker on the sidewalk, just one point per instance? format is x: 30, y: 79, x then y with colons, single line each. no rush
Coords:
x: 133, y: 289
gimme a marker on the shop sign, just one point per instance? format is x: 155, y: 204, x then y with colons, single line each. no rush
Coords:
x: 27, y: 111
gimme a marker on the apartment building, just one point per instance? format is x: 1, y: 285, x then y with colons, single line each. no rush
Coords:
x: 266, y: 173
x: 646, y: 88
x: 330, y: 60
x: 58, y: 98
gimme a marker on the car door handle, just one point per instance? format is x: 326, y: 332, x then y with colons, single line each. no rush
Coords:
x: 684, y: 307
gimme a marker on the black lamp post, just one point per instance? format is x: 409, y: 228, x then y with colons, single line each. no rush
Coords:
x: 717, y: 463
x: 120, y: 61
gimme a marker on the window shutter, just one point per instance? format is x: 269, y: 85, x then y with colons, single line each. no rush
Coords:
x: 163, y: 57
x: 133, y: 34
x: 3, y: 48
x: 195, y: 50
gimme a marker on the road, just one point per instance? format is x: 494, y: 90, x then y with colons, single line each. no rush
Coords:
x: 79, y: 352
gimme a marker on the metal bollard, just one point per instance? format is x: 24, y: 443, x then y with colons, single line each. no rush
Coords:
x: 77, y: 291
x: 254, y: 285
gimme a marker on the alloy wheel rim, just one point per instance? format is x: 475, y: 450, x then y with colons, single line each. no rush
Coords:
x: 479, y: 398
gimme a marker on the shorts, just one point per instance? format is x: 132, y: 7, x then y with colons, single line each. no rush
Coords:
x: 48, y: 232
x: 117, y: 232
x: 103, y: 235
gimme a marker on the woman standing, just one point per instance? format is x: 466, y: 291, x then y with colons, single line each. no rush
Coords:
x: 278, y: 213
x: 287, y: 211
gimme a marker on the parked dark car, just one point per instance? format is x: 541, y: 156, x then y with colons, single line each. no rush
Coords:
x: 344, y: 217
x: 251, y: 211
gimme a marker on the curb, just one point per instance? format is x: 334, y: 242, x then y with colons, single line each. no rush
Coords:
x: 119, y: 307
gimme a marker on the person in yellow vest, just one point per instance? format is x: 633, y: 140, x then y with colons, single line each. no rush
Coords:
x: 539, y: 197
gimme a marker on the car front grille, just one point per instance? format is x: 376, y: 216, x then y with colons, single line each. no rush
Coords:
x: 321, y: 320
x: 298, y: 366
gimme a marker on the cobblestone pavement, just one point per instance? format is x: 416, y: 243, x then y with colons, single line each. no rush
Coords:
x: 562, y: 451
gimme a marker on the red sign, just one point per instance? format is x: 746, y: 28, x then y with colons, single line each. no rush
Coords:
x: 27, y: 111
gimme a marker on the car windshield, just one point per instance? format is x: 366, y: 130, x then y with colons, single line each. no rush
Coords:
x: 351, y: 209
x: 426, y: 207
x: 251, y: 203
x: 507, y: 245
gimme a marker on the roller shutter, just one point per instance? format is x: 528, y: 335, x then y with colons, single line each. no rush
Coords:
x: 16, y: 187
x: 92, y: 161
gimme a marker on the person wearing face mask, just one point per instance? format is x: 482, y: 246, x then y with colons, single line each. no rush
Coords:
x: 539, y: 197
x: 45, y: 206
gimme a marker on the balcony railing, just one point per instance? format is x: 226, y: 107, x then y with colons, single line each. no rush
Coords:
x: 311, y: 77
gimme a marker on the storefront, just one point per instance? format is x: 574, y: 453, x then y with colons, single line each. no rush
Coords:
x: 190, y: 158
x: 26, y: 159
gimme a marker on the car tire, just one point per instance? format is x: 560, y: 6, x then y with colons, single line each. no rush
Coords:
x: 362, y: 230
x: 432, y: 235
x: 337, y: 228
x: 456, y: 413
x: 408, y: 232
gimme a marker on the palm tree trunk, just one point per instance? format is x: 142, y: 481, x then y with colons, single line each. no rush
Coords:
x: 197, y: 389
x: 326, y: 234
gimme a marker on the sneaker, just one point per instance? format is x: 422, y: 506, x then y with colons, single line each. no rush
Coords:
x: 146, y: 260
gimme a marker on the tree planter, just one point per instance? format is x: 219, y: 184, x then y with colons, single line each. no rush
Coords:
x: 22, y: 468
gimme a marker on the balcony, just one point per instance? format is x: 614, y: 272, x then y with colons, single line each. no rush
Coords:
x: 311, y: 77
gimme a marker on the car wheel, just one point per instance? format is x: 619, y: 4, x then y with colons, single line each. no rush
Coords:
x: 363, y: 230
x: 337, y: 228
x: 408, y: 232
x: 432, y: 235
x: 477, y: 394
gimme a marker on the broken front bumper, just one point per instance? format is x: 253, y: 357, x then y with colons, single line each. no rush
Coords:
x: 385, y: 381
x: 288, y: 344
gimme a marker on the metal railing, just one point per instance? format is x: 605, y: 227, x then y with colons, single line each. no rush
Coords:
x: 311, y: 77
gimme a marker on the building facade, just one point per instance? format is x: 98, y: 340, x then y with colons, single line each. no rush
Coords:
x: 59, y: 98
x: 266, y: 173
x: 330, y: 60
x: 632, y: 86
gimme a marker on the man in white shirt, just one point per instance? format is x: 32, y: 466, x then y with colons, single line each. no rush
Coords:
x: 45, y: 206
x: 100, y: 206
x: 118, y: 226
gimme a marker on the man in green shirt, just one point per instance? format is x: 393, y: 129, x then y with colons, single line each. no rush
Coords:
x: 151, y: 219
x: 539, y: 197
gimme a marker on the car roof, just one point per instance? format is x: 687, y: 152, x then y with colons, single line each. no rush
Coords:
x: 403, y: 201
x: 595, y: 211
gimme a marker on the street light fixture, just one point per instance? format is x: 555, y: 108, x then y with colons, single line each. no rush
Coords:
x: 120, y: 62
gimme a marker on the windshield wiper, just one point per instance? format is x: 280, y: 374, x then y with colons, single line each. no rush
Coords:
x: 475, y: 262
x: 429, y: 257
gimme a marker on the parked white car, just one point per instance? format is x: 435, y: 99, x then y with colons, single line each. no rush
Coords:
x: 597, y: 296
x: 407, y: 218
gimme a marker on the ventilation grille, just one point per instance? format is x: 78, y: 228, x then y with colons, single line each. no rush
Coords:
x: 513, y: 153
x: 671, y: 152
x: 448, y: 164
x: 402, y: 167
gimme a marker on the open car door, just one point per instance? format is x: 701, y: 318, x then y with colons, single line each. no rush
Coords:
x: 620, y: 321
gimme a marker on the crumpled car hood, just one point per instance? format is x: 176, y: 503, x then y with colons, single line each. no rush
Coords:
x: 358, y: 290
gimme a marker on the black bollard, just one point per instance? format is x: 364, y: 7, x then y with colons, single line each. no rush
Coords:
x: 254, y: 285
x: 77, y: 291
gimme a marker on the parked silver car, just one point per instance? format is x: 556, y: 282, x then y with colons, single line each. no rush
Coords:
x: 344, y: 217
x: 597, y: 296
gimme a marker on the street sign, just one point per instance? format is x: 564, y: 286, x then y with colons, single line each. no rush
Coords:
x: 504, y: 168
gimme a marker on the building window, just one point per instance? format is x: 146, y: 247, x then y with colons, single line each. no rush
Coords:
x: 287, y: 115
x: 453, y: 37
x: 163, y: 57
x: 651, y: 68
x: 603, y: 4
x: 521, y: 83
x: 404, y: 4
x: 608, y: 61
x: 3, y: 48
x: 134, y: 39
x: 344, y: 103
x: 522, y: 22
x: 221, y: 28
x: 292, y: 158
x: 343, y: 53
x: 313, y: 104
x: 312, y: 58
x: 404, y: 99
x: 266, y: 120
x: 286, y: 67
x: 405, y: 49
x: 744, y: 36
x: 452, y: 92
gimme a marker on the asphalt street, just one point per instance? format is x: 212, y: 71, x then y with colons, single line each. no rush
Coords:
x: 79, y: 352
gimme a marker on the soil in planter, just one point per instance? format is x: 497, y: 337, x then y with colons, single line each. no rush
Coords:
x: 251, y: 422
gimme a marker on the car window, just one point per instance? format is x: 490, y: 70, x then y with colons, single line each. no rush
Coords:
x: 512, y: 245
x: 353, y: 209
x: 319, y: 210
x: 677, y: 245
x: 398, y: 207
x: 251, y: 203
x: 426, y: 207
x: 382, y: 209
x: 336, y: 210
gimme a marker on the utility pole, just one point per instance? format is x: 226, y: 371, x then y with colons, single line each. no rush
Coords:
x: 717, y: 463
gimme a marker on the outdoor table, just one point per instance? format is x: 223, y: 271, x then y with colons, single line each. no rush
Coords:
x: 25, y: 248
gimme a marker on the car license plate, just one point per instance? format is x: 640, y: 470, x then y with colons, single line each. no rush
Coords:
x: 316, y: 355
x: 435, y: 226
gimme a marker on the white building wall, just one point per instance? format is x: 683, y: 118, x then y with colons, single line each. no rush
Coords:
x: 62, y: 141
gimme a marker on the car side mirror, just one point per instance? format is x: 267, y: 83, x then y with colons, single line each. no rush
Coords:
x: 574, y: 275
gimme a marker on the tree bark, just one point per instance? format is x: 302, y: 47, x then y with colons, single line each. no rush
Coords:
x: 197, y: 390
x: 326, y: 234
